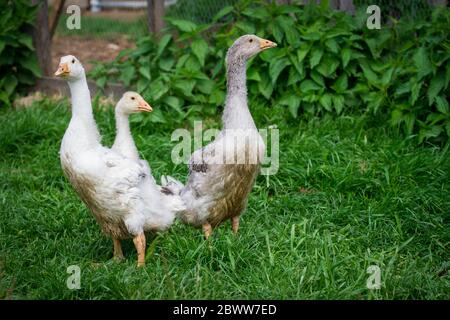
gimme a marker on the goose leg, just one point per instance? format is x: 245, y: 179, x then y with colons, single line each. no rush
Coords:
x: 118, y: 254
x: 207, y: 229
x: 139, y: 243
x: 235, y: 224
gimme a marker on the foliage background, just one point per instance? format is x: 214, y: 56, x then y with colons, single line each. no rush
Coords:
x: 18, y: 63
x: 326, y: 62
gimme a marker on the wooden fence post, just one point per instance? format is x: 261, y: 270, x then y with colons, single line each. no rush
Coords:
x: 41, y: 37
x: 155, y: 14
x: 54, y: 17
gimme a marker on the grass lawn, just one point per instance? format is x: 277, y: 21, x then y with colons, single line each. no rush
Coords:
x: 350, y: 193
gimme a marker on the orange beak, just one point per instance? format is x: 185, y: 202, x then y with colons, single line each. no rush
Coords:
x: 63, y: 69
x: 144, y: 106
x: 266, y: 44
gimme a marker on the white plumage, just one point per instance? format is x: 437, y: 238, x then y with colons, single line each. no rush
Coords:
x: 120, y: 192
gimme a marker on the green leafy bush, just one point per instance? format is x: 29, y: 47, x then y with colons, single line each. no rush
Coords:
x: 18, y: 64
x: 326, y: 62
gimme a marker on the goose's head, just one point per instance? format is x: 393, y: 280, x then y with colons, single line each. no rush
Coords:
x: 70, y: 68
x: 132, y: 102
x: 247, y: 46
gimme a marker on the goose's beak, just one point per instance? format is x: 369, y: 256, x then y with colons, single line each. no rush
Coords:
x: 266, y: 44
x: 63, y: 70
x: 144, y: 106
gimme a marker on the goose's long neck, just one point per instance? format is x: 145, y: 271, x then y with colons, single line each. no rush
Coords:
x: 236, y: 114
x: 83, y: 122
x: 124, y: 142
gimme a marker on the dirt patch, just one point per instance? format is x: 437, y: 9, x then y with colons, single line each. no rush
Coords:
x: 116, y: 14
x: 88, y: 49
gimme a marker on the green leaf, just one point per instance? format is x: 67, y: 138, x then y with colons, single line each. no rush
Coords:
x: 163, y: 44
x: 338, y: 102
x: 145, y: 71
x: 200, y: 49
x: 326, y: 101
x: 4, y: 97
x: 246, y: 27
x: 142, y: 84
x: 302, y: 52
x: 192, y: 64
x: 183, y: 25
x: 312, y: 36
x: 328, y: 66
x: 287, y: 24
x: 403, y: 88
x: 30, y: 63
x: 182, y: 61
x: 253, y: 74
x: 26, y: 40
x: 431, y: 132
x: 185, y: 86
x: 368, y: 73
x: 332, y: 45
x: 294, y: 77
x: 422, y: 62
x: 174, y: 102
x: 222, y: 13
x: 316, y: 55
x: 157, y: 116
x: 276, y: 66
x: 317, y: 77
x: 205, y: 86
x: 157, y: 89
x: 375, y: 99
x: 9, y: 83
x: 277, y: 32
x: 346, y: 55
x: 340, y: 85
x: 387, y: 76
x: 259, y: 13
x: 265, y: 87
x: 436, y: 84
x: 293, y: 103
x: 309, y: 85
x: 217, y: 97
x: 166, y: 64
x: 441, y: 104
x: 415, y: 90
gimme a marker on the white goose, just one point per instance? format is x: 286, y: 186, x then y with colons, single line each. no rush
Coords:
x: 119, y: 191
x: 218, y: 184
x: 131, y: 102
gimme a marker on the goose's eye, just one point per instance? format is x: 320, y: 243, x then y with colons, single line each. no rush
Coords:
x: 251, y: 40
x: 133, y: 98
x: 73, y: 60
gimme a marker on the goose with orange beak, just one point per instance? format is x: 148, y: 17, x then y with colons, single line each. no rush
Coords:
x: 120, y: 192
x: 131, y: 102
x: 217, y: 190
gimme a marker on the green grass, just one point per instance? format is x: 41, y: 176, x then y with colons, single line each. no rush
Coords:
x: 373, y: 198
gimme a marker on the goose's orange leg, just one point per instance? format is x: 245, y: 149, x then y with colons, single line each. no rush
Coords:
x: 207, y: 229
x: 118, y: 254
x: 235, y: 224
x: 139, y: 243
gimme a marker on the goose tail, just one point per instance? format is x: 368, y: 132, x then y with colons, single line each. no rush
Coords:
x: 172, y: 185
